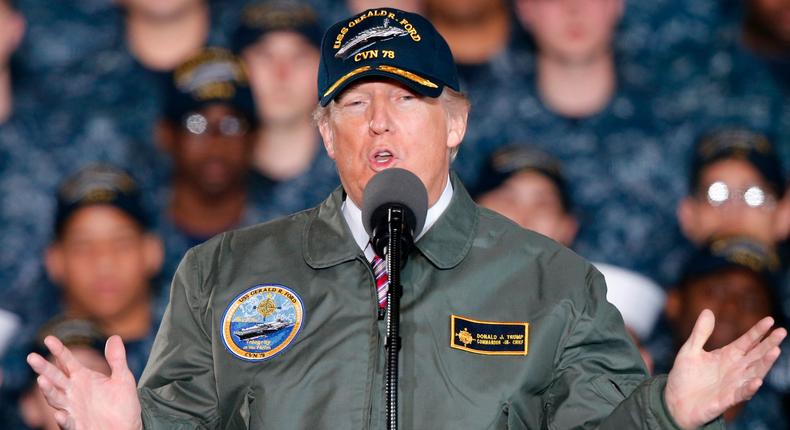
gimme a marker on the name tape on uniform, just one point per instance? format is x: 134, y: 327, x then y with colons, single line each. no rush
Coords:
x: 489, y: 337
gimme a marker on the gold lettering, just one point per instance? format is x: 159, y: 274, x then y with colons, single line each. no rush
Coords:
x: 385, y: 53
x: 366, y: 55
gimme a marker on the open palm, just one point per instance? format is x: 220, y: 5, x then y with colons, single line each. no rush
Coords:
x: 702, y: 385
x: 85, y: 399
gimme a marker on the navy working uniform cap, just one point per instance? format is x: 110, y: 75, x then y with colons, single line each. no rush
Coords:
x: 261, y: 17
x: 213, y: 76
x: 385, y: 42
x: 738, y: 143
x: 71, y: 332
x: 733, y: 253
x: 99, y: 185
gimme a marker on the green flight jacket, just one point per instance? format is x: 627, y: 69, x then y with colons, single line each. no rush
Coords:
x: 580, y: 370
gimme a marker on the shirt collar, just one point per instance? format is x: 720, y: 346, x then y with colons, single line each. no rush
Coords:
x: 353, y: 216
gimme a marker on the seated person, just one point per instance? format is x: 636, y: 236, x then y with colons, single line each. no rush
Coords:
x: 736, y: 187
x: 208, y: 132
x: 278, y: 42
x: 104, y: 257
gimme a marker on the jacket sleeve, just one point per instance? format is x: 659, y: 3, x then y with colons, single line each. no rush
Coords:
x: 177, y: 389
x: 600, y: 380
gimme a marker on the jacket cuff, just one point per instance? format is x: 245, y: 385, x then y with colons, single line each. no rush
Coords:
x: 658, y: 407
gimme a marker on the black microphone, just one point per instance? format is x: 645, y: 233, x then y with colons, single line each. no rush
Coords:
x: 393, y: 210
x: 400, y: 190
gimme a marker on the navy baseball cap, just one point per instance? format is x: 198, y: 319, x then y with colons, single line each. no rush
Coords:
x: 71, y: 332
x: 212, y: 76
x: 261, y: 17
x: 99, y: 184
x: 738, y: 143
x: 385, y: 42
x: 735, y: 252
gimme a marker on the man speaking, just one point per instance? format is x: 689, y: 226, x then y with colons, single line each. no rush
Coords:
x: 282, y: 325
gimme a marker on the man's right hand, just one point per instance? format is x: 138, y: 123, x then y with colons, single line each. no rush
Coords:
x: 85, y: 399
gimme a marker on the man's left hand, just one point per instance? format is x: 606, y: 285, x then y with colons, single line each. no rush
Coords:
x: 702, y: 385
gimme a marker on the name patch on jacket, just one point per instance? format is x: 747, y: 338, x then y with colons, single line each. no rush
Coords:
x: 262, y: 321
x: 489, y: 337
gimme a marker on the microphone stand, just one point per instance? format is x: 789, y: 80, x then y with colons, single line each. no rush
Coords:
x: 393, y: 341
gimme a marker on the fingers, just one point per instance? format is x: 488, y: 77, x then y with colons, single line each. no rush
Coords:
x: 63, y: 356
x: 747, y: 390
x: 55, y: 396
x: 748, y: 340
x: 703, y: 328
x: 115, y: 353
x: 769, y: 343
x: 762, y: 358
x: 62, y: 418
x: 44, y: 368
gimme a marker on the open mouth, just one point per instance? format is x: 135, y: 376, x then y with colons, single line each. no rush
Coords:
x: 382, y: 158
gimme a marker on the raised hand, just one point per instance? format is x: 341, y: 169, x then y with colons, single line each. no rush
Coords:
x: 84, y: 399
x: 702, y: 385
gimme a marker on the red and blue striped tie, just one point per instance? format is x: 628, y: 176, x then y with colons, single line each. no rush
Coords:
x: 382, y: 280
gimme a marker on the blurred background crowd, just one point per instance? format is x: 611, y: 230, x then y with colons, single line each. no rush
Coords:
x: 652, y: 137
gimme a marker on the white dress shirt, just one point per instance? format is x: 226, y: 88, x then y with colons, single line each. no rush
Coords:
x: 353, y: 215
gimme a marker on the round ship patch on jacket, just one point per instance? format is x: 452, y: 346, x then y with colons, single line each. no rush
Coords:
x: 262, y: 321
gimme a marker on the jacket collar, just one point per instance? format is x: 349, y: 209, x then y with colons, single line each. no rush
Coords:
x: 450, y: 239
x: 327, y: 240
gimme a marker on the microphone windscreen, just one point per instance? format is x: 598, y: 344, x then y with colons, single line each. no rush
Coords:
x: 395, y: 186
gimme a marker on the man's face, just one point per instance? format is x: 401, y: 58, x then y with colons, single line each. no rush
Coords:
x: 282, y: 67
x: 378, y: 124
x: 737, y: 297
x: 212, y: 149
x: 531, y: 200
x: 102, y: 262
x: 774, y: 17
x: 701, y: 220
x: 573, y: 31
x: 159, y: 10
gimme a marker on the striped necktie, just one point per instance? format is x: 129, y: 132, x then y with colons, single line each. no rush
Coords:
x: 382, y: 280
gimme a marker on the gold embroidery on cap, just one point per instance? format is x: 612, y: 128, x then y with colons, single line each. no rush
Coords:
x: 407, y: 75
x: 345, y: 78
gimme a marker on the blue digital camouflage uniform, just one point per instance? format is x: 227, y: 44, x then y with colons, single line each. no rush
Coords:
x: 623, y: 189
x: 486, y: 123
x: 80, y: 97
x: 764, y: 411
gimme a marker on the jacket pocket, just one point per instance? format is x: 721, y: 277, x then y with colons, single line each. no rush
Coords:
x: 615, y: 390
